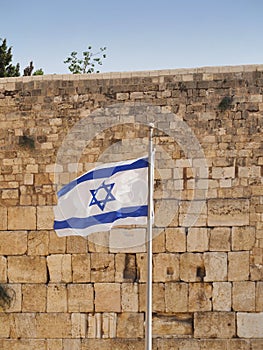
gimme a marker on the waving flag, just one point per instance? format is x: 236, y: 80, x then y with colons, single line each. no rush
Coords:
x: 111, y: 194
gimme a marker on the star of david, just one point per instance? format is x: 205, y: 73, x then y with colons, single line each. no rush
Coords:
x: 102, y: 195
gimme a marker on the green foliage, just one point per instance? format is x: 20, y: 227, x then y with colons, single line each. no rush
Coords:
x: 7, y: 69
x: 39, y: 72
x: 88, y: 62
x: 5, y: 298
x: 26, y: 141
x: 226, y: 103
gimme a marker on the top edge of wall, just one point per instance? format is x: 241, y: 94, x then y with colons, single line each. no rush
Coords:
x: 150, y: 73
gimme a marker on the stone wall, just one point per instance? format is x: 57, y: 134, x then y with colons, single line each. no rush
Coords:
x: 75, y: 293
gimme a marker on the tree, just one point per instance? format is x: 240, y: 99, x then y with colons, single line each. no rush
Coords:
x: 7, y: 69
x: 38, y: 72
x: 87, y: 63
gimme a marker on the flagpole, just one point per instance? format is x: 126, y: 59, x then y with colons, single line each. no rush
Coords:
x: 148, y: 326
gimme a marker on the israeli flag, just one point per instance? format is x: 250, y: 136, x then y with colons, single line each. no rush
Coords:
x: 109, y: 195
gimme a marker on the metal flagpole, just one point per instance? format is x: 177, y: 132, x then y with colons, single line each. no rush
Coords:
x: 148, y: 326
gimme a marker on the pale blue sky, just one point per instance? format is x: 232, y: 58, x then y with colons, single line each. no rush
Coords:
x: 138, y: 34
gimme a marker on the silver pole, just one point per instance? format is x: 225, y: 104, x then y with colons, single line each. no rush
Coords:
x: 148, y: 326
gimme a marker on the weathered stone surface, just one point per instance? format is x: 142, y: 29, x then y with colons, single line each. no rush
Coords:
x: 45, y: 218
x: 165, y: 267
x: 197, y: 239
x: 127, y: 240
x: 22, y: 218
x: 222, y: 296
x: 3, y: 269
x: 191, y: 267
x: 200, y: 295
x: 102, y: 267
x: 5, y: 321
x: 77, y: 245
x: 57, y: 298
x: 243, y: 238
x: 34, y: 297
x: 249, y: 325
x: 176, y: 325
x: 79, y: 328
x: 215, y: 266
x: 228, y: 212
x: 59, y: 267
x: 259, y: 296
x: 25, y: 344
x: 38, y: 242
x: 176, y: 297
x: 214, y: 325
x: 219, y: 239
x: 3, y: 218
x: 175, y: 239
x: 107, y: 297
x: 243, y: 296
x: 129, y: 297
x: 13, y: 242
x: 27, y: 269
x: 80, y: 298
x: 158, y: 297
x: 238, y: 266
x: 81, y: 267
x: 130, y: 325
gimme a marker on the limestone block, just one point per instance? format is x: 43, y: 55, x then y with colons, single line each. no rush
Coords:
x: 243, y: 238
x: 215, y: 266
x: 243, y: 296
x: 13, y: 242
x: 127, y: 240
x: 166, y: 213
x: 176, y: 325
x: 107, y: 297
x: 130, y: 325
x: 81, y: 267
x: 59, y: 267
x: 80, y: 298
x: 141, y: 260
x: 14, y: 303
x: 191, y: 267
x: 197, y: 239
x: 5, y: 321
x: 129, y: 297
x: 158, y: 297
x: 77, y: 244
x: 79, y: 326
x: 176, y: 297
x: 219, y: 239
x: 125, y: 268
x: 238, y: 266
x: 222, y: 296
x: 24, y: 326
x: 214, y: 325
x: 158, y: 242
x: 57, y: 245
x: 27, y: 269
x: 45, y: 217
x: 34, y: 297
x: 109, y: 325
x: 175, y: 239
x: 38, y: 242
x: 228, y: 212
x: 57, y: 298
x: 71, y: 344
x: 98, y: 242
x: 22, y: 218
x: 116, y: 344
x: 200, y: 295
x: 3, y: 218
x: 259, y: 296
x: 165, y: 267
x: 249, y: 325
x: 94, y: 328
x: 3, y: 269
x: 25, y: 344
x: 223, y: 344
x: 102, y: 267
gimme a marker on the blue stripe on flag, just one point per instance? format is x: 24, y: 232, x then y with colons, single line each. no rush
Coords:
x: 103, y: 173
x: 82, y: 223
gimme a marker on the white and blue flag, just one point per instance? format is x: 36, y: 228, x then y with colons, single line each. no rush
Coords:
x: 109, y: 195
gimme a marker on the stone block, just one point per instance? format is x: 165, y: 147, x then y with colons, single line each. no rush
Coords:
x: 249, y: 325
x: 25, y: 344
x: 3, y: 218
x: 197, y: 239
x: 57, y: 245
x: 102, y: 267
x: 34, y: 297
x: 125, y: 268
x: 80, y: 298
x: 14, y: 301
x: 176, y: 325
x: 94, y: 329
x: 259, y: 296
x: 176, y: 297
x: 256, y: 344
x: 57, y: 298
x: 200, y: 295
x: 158, y: 297
x: 166, y: 213
x: 5, y: 321
x: 81, y: 267
x: 13, y: 242
x: 191, y: 267
x: 130, y: 325
x: 228, y: 212
x: 219, y: 239
x: 59, y: 267
x: 238, y: 266
x: 79, y: 327
x: 38, y: 242
x: 222, y: 296
x: 22, y: 218
x: 129, y: 297
x: 215, y: 266
x: 158, y: 242
x: 175, y: 239
x: 243, y: 238
x: 141, y: 260
x: 77, y: 245
x: 3, y: 269
x: 107, y: 297
x: 165, y: 267
x: 109, y: 325
x: 27, y: 269
x: 127, y: 240
x: 243, y: 296
x: 71, y: 344
x: 45, y: 217
x: 214, y: 325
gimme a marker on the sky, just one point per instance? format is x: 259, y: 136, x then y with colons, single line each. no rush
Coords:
x: 139, y: 34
